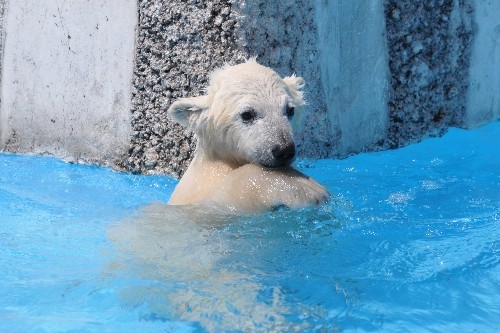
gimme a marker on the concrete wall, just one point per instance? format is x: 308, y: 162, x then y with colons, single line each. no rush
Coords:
x: 2, y: 34
x: 354, y: 72
x: 66, y: 78
x: 90, y: 80
x: 483, y: 95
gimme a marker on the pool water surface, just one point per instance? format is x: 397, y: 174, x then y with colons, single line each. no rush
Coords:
x: 409, y: 242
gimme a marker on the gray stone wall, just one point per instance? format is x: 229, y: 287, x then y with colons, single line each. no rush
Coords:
x: 353, y: 73
x: 283, y: 35
x: 66, y: 79
x: 483, y: 93
x: 425, y: 47
x: 91, y: 81
x: 2, y: 13
x: 178, y: 44
x: 429, y: 46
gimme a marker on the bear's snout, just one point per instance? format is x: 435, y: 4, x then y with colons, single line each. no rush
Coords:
x: 283, y: 156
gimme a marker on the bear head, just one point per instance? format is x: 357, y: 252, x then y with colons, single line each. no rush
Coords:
x: 246, y: 115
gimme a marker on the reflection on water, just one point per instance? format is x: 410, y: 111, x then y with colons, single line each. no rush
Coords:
x: 214, y: 270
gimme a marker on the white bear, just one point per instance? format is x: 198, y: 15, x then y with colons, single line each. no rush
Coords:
x: 245, y: 148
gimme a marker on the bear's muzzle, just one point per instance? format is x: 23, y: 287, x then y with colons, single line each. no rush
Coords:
x: 283, y: 156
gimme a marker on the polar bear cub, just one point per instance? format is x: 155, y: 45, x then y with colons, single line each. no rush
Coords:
x: 245, y: 147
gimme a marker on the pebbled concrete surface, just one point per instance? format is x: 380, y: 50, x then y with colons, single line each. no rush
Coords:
x: 423, y: 88
x: 290, y: 34
x: 429, y: 48
x: 178, y: 44
x: 100, y: 96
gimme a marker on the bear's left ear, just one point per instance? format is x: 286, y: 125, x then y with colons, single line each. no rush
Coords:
x: 185, y: 111
x: 295, y: 85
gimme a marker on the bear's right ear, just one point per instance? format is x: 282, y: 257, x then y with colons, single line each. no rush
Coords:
x: 185, y: 111
x: 295, y: 85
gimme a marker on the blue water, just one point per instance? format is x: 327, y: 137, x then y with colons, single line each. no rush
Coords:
x: 410, y: 242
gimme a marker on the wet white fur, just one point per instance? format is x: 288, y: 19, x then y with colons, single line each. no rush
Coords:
x: 227, y: 169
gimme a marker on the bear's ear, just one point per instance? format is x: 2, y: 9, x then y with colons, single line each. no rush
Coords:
x: 295, y: 85
x: 185, y: 111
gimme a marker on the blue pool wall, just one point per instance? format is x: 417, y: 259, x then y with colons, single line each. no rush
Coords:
x: 90, y: 81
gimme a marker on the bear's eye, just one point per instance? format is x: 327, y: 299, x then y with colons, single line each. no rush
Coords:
x: 290, y: 111
x: 248, y: 116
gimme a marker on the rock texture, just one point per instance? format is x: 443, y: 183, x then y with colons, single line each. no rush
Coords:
x: 429, y: 47
x: 178, y: 44
x: 283, y: 35
x: 428, y: 65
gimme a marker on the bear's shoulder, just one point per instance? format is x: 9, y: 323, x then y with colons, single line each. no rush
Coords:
x: 256, y: 188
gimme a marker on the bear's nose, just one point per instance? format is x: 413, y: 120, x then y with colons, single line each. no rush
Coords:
x: 284, y: 155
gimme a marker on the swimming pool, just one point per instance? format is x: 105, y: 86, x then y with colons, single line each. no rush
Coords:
x: 411, y: 242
